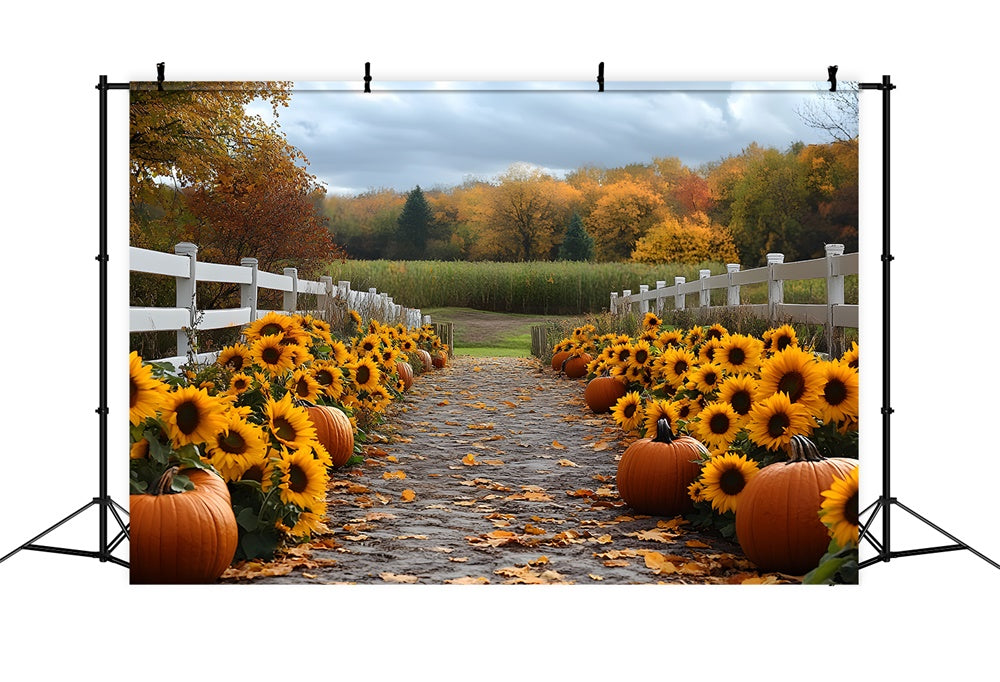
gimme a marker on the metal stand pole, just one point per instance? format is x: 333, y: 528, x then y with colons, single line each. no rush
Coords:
x: 886, y: 501
x: 103, y: 501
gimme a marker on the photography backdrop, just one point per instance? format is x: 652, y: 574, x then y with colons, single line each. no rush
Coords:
x: 929, y: 130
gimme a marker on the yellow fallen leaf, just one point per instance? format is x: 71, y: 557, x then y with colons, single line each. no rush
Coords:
x: 409, y: 495
x: 479, y: 580
x: 398, y: 578
x: 566, y: 463
x: 470, y: 460
x: 493, y: 462
x: 592, y: 576
x: 602, y: 445
x: 557, y: 445
x: 697, y: 543
x: 509, y: 403
x: 391, y: 458
x: 533, y: 530
x: 477, y: 368
x: 659, y: 563
x: 443, y: 402
x: 394, y: 474
x: 458, y: 559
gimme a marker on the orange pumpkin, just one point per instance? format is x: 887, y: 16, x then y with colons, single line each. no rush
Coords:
x: 425, y: 358
x: 405, y: 371
x: 333, y: 431
x: 603, y: 392
x: 575, y: 367
x: 182, y: 538
x: 557, y: 360
x: 439, y: 359
x: 654, y: 473
x: 777, y: 519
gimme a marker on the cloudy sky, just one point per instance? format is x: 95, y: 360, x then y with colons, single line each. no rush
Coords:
x: 440, y: 134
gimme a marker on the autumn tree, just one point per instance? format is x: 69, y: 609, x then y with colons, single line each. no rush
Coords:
x: 577, y: 244
x: 623, y: 214
x: 690, y: 239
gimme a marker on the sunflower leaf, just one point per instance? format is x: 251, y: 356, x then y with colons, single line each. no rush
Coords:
x: 247, y: 519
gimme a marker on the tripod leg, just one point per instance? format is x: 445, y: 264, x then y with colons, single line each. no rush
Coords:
x: 27, y: 545
x: 947, y: 535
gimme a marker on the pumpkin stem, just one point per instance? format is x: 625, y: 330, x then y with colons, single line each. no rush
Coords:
x: 162, y: 486
x: 801, y: 449
x: 663, y: 432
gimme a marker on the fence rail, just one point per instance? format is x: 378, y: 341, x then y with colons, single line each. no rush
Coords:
x: 833, y: 267
x: 187, y: 271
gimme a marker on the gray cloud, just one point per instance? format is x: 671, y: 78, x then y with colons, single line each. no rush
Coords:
x: 431, y: 134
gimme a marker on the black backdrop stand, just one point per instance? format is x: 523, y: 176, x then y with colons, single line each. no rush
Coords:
x: 886, y: 501
x: 103, y: 501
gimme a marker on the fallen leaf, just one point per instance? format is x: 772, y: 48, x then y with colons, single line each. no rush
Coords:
x: 477, y: 368
x: 566, y: 463
x: 398, y: 578
x: 493, y: 462
x: 602, y: 445
x: 394, y: 474
x: 409, y: 495
x: 594, y: 577
x: 533, y: 530
x: 470, y: 460
x: 458, y: 559
x: 479, y: 580
x: 443, y: 402
x: 697, y: 543
x: 480, y: 427
x: 557, y: 445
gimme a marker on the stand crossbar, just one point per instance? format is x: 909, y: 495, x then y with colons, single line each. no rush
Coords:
x: 885, y: 502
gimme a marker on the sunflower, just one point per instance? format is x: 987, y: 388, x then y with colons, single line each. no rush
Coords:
x: 240, y: 383
x: 739, y: 353
x: 311, y: 521
x: 628, y: 411
x: 694, y: 336
x: 339, y: 352
x: 838, y: 397
x: 234, y: 447
x: 271, y: 324
x: 706, y: 378
x: 696, y: 491
x: 641, y: 356
x: 139, y: 449
x: 259, y: 467
x: 717, y: 424
x: 839, y: 510
x: 289, y: 423
x: 269, y: 353
x: 781, y: 338
x: 356, y: 318
x: 388, y: 356
x: 655, y: 411
x: 669, y: 339
x: 675, y: 365
x: 687, y: 409
x: 303, y: 479
x: 651, y: 321
x: 794, y: 372
x: 365, y: 373
x: 707, y: 351
x: 145, y: 392
x: 650, y: 335
x: 773, y: 421
x: 723, y: 479
x: 191, y: 415
x: 622, y: 352
x: 368, y: 344
x: 740, y: 392
x: 716, y: 331
x: 234, y: 357
x: 850, y: 356
x: 304, y: 385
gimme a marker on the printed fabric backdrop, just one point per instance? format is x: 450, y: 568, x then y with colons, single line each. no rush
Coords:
x: 494, y: 333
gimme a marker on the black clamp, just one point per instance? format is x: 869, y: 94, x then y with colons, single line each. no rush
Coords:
x: 887, y: 258
x: 159, y: 75
x: 887, y: 410
x: 832, y: 77
x: 368, y: 76
x: 600, y: 77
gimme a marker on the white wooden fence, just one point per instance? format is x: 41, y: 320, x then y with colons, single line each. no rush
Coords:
x: 186, y: 270
x: 834, y: 313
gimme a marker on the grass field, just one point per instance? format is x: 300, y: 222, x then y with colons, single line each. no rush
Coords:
x: 486, y: 334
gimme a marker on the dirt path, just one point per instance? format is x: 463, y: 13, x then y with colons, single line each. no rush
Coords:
x: 495, y: 472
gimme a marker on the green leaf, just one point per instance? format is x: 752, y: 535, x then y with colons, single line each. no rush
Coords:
x: 181, y: 483
x: 247, y: 518
x: 259, y: 544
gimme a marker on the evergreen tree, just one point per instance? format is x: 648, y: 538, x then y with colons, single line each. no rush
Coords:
x: 577, y: 244
x: 413, y: 224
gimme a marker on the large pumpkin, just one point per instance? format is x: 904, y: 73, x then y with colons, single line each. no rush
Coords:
x: 425, y: 358
x: 439, y: 359
x: 182, y: 538
x: 405, y: 371
x: 575, y: 366
x: 654, y: 473
x: 777, y: 520
x: 333, y: 431
x: 603, y: 392
x: 557, y: 359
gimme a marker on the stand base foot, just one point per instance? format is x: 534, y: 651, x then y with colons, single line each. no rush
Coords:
x: 103, y: 554
x: 885, y: 553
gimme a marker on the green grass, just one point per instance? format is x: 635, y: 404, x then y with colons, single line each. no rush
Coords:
x: 488, y: 334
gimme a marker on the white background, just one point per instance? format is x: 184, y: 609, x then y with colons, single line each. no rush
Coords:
x: 931, y: 614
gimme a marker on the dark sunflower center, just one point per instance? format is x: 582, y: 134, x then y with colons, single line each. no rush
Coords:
x: 711, y: 378
x: 235, y: 363
x: 239, y: 384
x: 719, y: 424
x: 710, y: 353
x: 188, y: 418
x: 271, y: 329
x: 254, y: 473
x: 364, y: 374
x: 233, y: 443
x: 835, y: 392
x: 851, y: 509
x: 680, y: 367
x: 324, y: 378
x: 737, y: 356
x: 624, y: 354
x: 271, y: 355
x: 629, y: 410
x: 297, y: 479
x: 732, y: 482
x: 302, y: 388
x: 741, y: 402
x: 284, y: 429
x: 713, y: 334
x: 641, y: 356
x: 793, y: 384
x: 684, y: 411
x: 777, y: 425
x: 782, y: 342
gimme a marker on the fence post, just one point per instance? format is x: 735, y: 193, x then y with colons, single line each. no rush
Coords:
x: 775, y: 287
x: 290, y: 299
x: 628, y: 304
x: 834, y: 293
x: 705, y: 295
x: 248, y: 292
x: 186, y: 290
x: 679, y: 297
x: 427, y: 319
x: 343, y: 289
x: 643, y: 304
x: 733, y: 290
x: 660, y: 284
x: 614, y: 302
x: 323, y: 300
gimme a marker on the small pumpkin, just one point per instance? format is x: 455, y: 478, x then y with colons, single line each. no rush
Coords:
x: 425, y: 358
x: 558, y: 358
x: 777, y: 519
x: 405, y: 371
x: 654, y: 473
x: 182, y: 538
x: 439, y: 359
x: 575, y: 366
x: 602, y: 393
x: 333, y: 431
